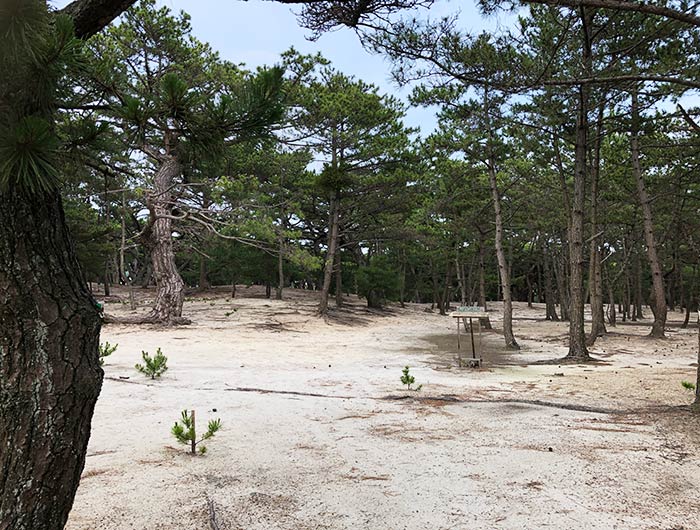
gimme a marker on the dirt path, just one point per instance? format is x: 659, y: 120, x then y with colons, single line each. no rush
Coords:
x: 310, y: 440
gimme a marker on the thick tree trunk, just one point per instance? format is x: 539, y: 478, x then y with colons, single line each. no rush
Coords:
x: 657, y: 329
x: 50, y: 375
x: 330, y: 254
x: 158, y: 240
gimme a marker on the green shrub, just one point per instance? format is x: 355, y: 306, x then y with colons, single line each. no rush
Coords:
x: 688, y: 385
x: 377, y: 282
x: 106, y: 350
x: 407, y: 379
x: 186, y: 432
x: 153, y: 366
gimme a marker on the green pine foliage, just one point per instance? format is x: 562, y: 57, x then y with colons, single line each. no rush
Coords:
x: 378, y: 281
x: 186, y: 432
x: 153, y: 366
x: 106, y: 350
x: 407, y: 379
x: 688, y: 385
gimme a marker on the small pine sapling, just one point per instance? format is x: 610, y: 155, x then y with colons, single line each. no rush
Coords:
x: 186, y: 432
x: 106, y: 350
x: 407, y: 379
x: 688, y: 385
x: 153, y: 366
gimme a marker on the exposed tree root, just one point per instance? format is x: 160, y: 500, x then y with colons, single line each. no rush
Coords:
x: 572, y: 360
x: 537, y: 402
x: 285, y: 392
x: 445, y: 398
x: 148, y: 318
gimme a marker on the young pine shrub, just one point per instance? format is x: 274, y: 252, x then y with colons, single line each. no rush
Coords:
x: 407, y: 379
x: 153, y: 366
x: 106, y: 350
x: 186, y: 432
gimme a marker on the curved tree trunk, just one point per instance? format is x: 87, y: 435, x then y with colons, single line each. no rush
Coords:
x: 657, y: 329
x: 503, y: 268
x: 50, y: 375
x: 158, y: 240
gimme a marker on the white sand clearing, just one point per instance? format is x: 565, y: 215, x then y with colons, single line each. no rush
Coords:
x: 315, y: 437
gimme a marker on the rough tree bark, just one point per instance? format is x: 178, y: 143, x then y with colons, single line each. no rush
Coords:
x: 577, y: 337
x: 657, y: 328
x: 50, y: 375
x: 157, y: 238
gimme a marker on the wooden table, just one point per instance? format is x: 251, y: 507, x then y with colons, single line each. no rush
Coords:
x: 471, y: 316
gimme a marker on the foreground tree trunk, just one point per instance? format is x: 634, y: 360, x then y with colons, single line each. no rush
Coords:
x: 657, y: 328
x: 50, y: 375
x: 158, y: 240
x: 577, y: 337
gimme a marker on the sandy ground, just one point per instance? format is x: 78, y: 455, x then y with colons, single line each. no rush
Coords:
x: 326, y: 443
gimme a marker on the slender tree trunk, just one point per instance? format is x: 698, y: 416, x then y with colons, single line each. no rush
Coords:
x: 50, y: 375
x: 280, y: 270
x: 577, y: 337
x: 697, y: 377
x: 612, y: 317
x: 105, y: 279
x: 485, y: 322
x: 203, y: 273
x: 461, y: 281
x: 158, y: 240
x: 657, y: 329
x: 503, y: 267
x: 122, y: 247
x: 595, y: 277
x: 338, y: 270
x: 402, y: 284
x: 330, y: 254
x: 560, y: 267
x: 447, y: 289
x: 550, y: 307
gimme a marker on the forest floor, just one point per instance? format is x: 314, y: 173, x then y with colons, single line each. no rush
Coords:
x: 318, y: 433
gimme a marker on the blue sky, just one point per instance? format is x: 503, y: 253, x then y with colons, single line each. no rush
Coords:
x: 257, y: 32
